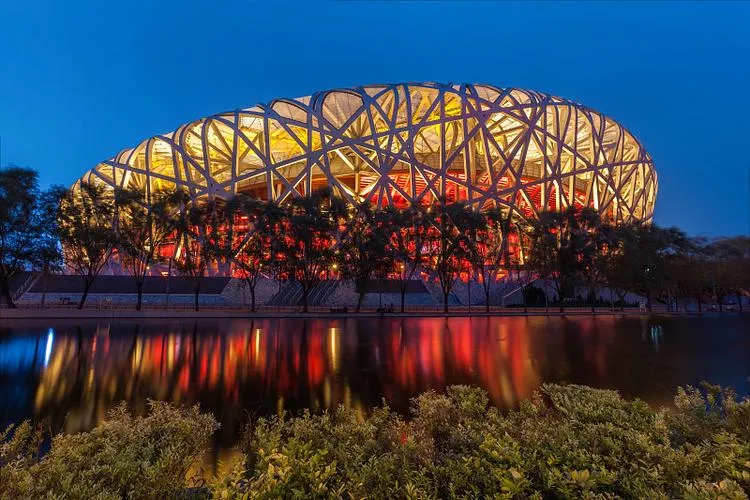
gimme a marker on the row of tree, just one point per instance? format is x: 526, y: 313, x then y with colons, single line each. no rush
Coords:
x: 320, y: 236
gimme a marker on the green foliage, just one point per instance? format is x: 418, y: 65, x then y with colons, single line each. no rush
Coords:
x: 565, y: 442
x: 124, y: 457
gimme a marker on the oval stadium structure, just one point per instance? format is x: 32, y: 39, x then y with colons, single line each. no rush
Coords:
x: 404, y: 144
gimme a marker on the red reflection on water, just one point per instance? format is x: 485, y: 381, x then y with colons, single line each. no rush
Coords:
x: 271, y: 365
x: 263, y: 367
x: 433, y: 353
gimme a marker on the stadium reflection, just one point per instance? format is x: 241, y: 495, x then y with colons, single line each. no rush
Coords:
x: 271, y: 366
x: 72, y: 374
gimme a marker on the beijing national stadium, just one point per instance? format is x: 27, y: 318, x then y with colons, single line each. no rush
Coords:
x: 402, y: 144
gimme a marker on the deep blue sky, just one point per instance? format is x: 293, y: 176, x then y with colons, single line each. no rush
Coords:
x: 80, y: 81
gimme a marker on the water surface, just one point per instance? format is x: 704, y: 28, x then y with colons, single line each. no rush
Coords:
x: 70, y: 372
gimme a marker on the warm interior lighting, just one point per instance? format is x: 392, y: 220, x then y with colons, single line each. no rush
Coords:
x: 404, y: 144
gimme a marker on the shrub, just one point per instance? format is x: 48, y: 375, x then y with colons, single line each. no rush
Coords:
x: 123, y: 457
x: 566, y: 442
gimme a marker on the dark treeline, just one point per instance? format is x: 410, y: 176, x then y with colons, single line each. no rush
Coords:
x: 321, y: 236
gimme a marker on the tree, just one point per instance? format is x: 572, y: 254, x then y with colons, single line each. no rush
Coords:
x: 251, y: 249
x: 729, y: 260
x: 523, y: 231
x: 491, y: 249
x: 311, y: 226
x: 48, y: 258
x: 642, y: 263
x: 687, y: 271
x: 608, y: 263
x: 452, y: 250
x: 595, y: 240
x: 561, y: 242
x: 20, y: 225
x: 200, y: 228
x: 143, y: 229
x: 88, y: 232
x: 410, y: 228
x: 364, y: 253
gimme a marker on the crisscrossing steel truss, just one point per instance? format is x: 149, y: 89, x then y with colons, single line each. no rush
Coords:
x: 401, y: 144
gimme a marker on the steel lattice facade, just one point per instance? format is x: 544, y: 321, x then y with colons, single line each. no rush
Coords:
x: 402, y: 144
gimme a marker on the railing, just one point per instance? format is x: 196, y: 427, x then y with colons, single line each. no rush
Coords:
x: 287, y: 295
x: 322, y: 291
x: 26, y: 285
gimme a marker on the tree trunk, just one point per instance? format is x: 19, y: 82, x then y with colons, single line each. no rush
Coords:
x: 252, y: 298
x: 169, y: 276
x: 445, y: 301
x: 304, y: 299
x: 700, y: 305
x: 739, y: 302
x: 621, y: 297
x: 139, y: 290
x: 486, y: 299
x: 403, y: 296
x: 197, y: 293
x: 86, y: 287
x: 5, y: 290
x: 44, y: 289
x: 359, y: 300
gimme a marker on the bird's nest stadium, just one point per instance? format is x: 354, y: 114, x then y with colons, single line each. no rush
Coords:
x: 521, y: 151
x: 404, y: 144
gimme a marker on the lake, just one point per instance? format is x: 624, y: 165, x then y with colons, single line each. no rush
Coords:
x: 71, y: 372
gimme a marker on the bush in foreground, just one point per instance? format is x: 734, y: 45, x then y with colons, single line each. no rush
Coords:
x: 566, y: 442
x: 124, y: 457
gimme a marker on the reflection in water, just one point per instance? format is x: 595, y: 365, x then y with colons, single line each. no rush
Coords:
x: 656, y: 334
x: 73, y: 373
